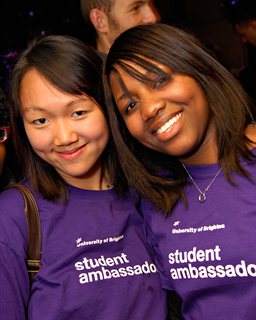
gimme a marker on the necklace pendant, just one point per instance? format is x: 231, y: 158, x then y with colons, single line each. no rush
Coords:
x: 202, y: 197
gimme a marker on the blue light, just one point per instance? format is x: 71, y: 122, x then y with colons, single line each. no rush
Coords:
x: 233, y: 2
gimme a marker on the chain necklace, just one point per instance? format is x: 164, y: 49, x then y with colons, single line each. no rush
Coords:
x: 202, y: 194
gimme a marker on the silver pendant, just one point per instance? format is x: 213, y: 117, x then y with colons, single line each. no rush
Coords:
x: 202, y: 197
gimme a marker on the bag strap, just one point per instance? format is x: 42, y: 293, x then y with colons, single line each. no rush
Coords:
x: 34, y: 230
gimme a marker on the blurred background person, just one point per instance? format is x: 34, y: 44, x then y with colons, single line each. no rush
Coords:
x: 9, y: 166
x: 4, y: 130
x: 242, y: 15
x: 107, y: 19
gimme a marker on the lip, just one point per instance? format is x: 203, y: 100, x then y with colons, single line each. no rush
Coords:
x: 161, y: 122
x: 71, y: 154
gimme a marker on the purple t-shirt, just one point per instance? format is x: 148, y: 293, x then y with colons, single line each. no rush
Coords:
x: 208, y: 251
x: 95, y: 261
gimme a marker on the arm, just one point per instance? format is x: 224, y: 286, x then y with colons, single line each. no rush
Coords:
x: 14, y: 281
x: 14, y: 292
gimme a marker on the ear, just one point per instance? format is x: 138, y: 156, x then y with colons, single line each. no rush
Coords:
x: 99, y: 20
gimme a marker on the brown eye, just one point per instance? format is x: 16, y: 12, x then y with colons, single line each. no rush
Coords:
x: 40, y: 121
x: 79, y: 113
x: 160, y: 82
x: 130, y: 106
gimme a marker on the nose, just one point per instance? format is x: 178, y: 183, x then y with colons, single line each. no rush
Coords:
x: 65, y: 134
x: 151, y: 14
x: 150, y: 108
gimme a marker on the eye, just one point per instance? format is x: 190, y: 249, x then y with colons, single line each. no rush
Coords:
x: 136, y: 8
x: 79, y: 113
x: 160, y: 82
x: 130, y: 106
x: 40, y: 121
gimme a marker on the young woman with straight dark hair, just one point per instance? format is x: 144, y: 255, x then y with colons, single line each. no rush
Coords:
x: 96, y: 263
x: 186, y: 141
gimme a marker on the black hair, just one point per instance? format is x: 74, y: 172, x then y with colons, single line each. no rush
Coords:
x: 72, y: 67
x: 179, y: 50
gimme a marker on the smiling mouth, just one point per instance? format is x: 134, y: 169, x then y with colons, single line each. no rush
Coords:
x: 167, y: 126
x: 71, y: 154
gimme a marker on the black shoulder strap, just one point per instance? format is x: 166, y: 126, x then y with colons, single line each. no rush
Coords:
x: 34, y: 230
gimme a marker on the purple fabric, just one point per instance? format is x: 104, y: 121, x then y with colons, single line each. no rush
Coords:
x: 96, y: 263
x: 208, y: 251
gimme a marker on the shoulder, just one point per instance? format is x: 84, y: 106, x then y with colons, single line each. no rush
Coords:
x: 11, y: 200
x: 13, y: 224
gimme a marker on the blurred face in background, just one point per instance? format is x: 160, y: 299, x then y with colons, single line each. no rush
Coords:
x: 4, y: 132
x: 2, y: 156
x: 130, y: 13
x: 247, y: 32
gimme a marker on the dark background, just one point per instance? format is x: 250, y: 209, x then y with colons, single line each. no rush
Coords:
x: 21, y: 20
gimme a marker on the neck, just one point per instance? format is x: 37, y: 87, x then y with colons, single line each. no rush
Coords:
x: 97, y: 178
x: 206, y: 152
x: 201, y: 158
x: 103, y: 45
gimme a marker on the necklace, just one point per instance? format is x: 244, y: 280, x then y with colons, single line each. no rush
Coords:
x: 202, y: 194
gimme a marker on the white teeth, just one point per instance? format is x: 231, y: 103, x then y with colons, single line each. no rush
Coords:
x: 168, y: 124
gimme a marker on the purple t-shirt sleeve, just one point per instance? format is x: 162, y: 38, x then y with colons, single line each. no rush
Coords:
x: 14, y: 292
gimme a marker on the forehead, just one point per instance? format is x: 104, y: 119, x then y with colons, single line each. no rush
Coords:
x: 37, y: 90
x: 33, y: 82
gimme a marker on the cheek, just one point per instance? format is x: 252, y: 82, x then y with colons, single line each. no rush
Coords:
x: 202, y: 111
x: 134, y: 126
x: 40, y: 140
x: 101, y: 133
x: 40, y: 144
x: 133, y: 22
x: 127, y: 23
x: 97, y: 129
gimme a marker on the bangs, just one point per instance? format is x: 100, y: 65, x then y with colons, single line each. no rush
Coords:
x: 146, y: 76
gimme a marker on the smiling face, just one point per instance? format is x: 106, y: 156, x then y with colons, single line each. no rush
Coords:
x: 169, y: 114
x: 67, y: 131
